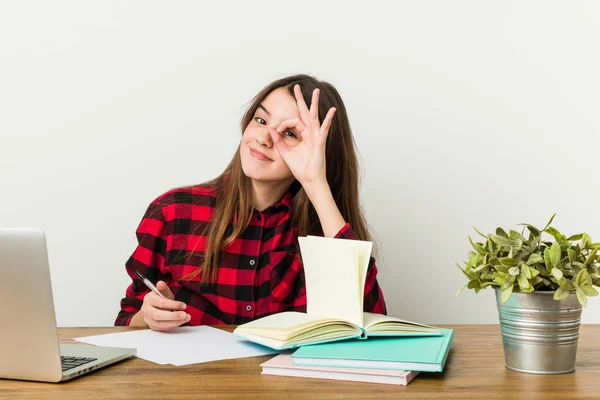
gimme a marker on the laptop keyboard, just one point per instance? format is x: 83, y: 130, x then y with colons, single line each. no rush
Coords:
x: 74, y: 362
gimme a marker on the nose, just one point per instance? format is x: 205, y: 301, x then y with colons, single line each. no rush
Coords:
x: 264, y: 139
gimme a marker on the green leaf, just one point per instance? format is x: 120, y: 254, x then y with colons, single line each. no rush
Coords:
x: 555, y: 233
x: 473, y: 261
x: 535, y: 280
x: 534, y: 272
x: 477, y: 230
x: 586, y: 240
x: 547, y: 282
x: 487, y: 276
x: 501, y: 232
x: 490, y: 246
x: 543, y: 271
x: 534, y: 258
x: 504, y: 242
x: 547, y: 259
x: 549, y: 222
x: 461, y: 288
x: 555, y: 254
x: 523, y: 282
x: 589, y: 291
x: 479, y: 268
x: 583, y: 278
x: 506, y: 293
x: 575, y: 237
x: 514, y: 235
x: 561, y: 294
x: 507, y: 283
x: 594, y: 246
x: 535, y: 232
x: 509, y: 262
x: 464, y: 272
x: 568, y: 285
x: 525, y: 271
x: 501, y: 268
x: 557, y: 273
x: 499, y: 280
x: 535, y: 243
x: 528, y: 290
x: 477, y: 246
x: 590, y: 258
x: 572, y: 255
x: 563, y: 282
x: 514, y: 271
x: 581, y: 297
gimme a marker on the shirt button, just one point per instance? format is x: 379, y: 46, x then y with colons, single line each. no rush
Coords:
x: 252, y: 262
x: 248, y: 307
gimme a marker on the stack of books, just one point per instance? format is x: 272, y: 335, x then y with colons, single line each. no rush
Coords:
x: 379, y: 360
x: 388, y: 349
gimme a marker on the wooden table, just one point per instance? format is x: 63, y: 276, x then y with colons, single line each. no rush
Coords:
x: 474, y: 369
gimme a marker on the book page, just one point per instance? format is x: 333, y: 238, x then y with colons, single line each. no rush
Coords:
x: 289, y: 325
x: 363, y: 256
x: 284, y: 321
x: 333, y: 270
x: 385, y: 324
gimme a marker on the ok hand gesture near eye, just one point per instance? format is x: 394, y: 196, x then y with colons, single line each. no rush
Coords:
x: 306, y: 160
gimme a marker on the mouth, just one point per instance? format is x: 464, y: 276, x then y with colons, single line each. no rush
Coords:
x: 259, y: 155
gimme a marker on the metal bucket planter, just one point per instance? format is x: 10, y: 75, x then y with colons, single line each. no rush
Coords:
x: 539, y: 333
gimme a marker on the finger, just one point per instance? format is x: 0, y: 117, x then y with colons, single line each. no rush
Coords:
x: 314, y: 105
x: 327, y: 121
x: 304, y: 112
x: 164, y: 326
x: 280, y: 145
x: 164, y: 289
x: 157, y: 315
x: 294, y: 123
x: 297, y: 127
x: 165, y: 304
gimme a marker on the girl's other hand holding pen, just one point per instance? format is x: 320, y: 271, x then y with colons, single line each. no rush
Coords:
x: 163, y: 313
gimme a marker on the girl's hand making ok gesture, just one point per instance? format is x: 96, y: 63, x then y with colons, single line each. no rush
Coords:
x: 306, y: 160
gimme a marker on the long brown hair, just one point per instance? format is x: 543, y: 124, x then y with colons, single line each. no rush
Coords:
x: 233, y: 208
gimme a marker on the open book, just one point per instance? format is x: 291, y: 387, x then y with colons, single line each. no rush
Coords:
x: 335, y: 271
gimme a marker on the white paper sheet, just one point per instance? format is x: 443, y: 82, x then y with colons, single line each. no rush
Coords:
x: 182, y: 346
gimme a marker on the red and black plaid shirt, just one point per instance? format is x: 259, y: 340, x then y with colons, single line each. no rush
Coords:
x: 259, y: 273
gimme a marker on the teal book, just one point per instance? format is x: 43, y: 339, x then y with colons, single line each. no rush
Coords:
x: 426, y: 354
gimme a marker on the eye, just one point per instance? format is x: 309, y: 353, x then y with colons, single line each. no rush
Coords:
x: 290, y: 134
x: 260, y: 120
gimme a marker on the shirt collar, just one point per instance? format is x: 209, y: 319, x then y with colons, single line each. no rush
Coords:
x: 286, y: 200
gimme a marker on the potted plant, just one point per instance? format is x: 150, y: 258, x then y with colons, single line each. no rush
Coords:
x: 541, y: 282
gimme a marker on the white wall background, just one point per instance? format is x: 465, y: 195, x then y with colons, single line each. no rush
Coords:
x: 466, y: 113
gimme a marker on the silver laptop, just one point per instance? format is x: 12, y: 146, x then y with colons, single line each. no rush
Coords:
x: 29, y: 347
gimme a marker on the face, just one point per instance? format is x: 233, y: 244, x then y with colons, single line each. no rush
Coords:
x: 260, y: 159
